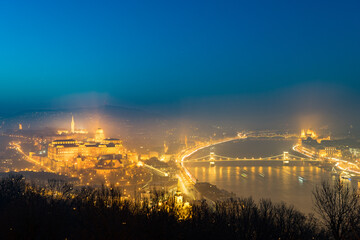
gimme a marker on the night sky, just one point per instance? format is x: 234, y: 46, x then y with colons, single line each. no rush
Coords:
x: 180, y: 53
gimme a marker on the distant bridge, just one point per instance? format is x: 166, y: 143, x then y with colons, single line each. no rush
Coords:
x: 284, y: 157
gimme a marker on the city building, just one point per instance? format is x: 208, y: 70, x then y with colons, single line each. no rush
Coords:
x: 99, y: 135
x: 73, y: 153
x: 306, y: 134
x: 330, y: 152
x: 107, y: 163
x: 355, y: 152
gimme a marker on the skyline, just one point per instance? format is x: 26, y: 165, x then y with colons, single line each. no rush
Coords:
x: 180, y: 119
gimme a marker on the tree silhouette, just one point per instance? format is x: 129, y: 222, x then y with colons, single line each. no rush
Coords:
x: 338, y: 206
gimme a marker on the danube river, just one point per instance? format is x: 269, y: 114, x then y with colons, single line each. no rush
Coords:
x: 292, y: 183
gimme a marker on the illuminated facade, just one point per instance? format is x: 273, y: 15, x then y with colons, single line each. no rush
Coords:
x: 99, y: 135
x: 330, y: 152
x: 69, y: 153
x: 83, y: 154
x: 305, y: 134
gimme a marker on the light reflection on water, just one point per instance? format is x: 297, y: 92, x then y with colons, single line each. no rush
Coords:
x: 261, y: 179
x: 280, y: 183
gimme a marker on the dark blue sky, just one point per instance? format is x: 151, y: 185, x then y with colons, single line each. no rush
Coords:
x: 148, y: 53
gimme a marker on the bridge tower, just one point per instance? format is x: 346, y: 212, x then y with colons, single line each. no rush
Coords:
x: 286, y: 157
x: 212, y: 156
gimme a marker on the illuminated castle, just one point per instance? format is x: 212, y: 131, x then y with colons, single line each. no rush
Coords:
x: 68, y: 149
x: 305, y: 134
x: 66, y: 153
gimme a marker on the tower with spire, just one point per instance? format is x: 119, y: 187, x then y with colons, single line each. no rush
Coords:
x: 72, y: 124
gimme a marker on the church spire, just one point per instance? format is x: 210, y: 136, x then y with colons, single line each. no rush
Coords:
x: 72, y: 125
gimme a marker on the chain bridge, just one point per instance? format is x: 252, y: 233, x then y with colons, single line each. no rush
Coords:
x: 285, y: 157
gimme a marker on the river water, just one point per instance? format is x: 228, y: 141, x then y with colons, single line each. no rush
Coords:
x: 292, y: 183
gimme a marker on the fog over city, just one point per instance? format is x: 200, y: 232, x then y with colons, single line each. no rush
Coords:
x: 307, y: 105
x: 180, y: 120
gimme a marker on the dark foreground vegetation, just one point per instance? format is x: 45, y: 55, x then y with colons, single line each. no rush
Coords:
x: 60, y: 212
